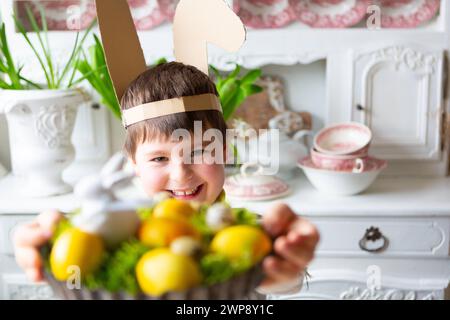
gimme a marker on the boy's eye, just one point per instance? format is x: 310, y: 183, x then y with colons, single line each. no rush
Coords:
x: 159, y: 159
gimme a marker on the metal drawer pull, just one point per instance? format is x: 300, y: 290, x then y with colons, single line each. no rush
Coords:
x: 373, y: 234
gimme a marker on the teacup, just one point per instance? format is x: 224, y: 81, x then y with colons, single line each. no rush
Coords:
x: 350, y: 138
x: 354, y: 163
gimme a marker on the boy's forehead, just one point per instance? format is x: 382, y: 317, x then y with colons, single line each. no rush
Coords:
x: 161, y: 143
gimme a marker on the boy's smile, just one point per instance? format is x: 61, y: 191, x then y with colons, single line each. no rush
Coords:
x: 187, y: 193
x: 161, y: 168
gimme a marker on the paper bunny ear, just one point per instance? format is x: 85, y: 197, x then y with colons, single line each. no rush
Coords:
x: 123, y: 51
x: 198, y: 22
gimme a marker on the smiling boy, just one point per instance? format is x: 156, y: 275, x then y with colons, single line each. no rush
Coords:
x: 151, y: 151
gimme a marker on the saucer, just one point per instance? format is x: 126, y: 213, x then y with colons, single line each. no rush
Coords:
x: 255, y: 186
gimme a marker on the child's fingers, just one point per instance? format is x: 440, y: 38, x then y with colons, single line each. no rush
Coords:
x: 303, y: 232
x: 278, y: 218
x: 48, y: 220
x: 30, y: 235
x: 280, y: 270
x: 281, y: 277
x: 35, y: 275
x: 28, y: 258
x: 300, y: 255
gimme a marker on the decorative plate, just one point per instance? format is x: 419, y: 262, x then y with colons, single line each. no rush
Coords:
x: 265, y: 13
x: 168, y: 7
x: 330, y: 13
x: 64, y: 15
x: 146, y: 14
x: 407, y: 13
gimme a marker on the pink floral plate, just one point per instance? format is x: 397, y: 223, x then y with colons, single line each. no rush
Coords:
x: 407, y: 13
x: 330, y: 13
x: 260, y: 14
x: 168, y: 7
x: 146, y: 14
x: 254, y: 186
x: 64, y: 15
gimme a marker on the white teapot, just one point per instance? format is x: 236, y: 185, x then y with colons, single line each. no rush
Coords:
x: 290, y: 149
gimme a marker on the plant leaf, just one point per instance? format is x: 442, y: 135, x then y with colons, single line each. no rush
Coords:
x: 236, y: 100
x: 216, y: 73
x: 45, y: 50
x: 235, y: 72
x: 251, y: 76
x: 22, y: 30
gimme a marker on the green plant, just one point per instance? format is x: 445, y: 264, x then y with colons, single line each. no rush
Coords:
x: 233, y: 89
x: 7, y: 65
x: 56, y: 77
x: 94, y: 69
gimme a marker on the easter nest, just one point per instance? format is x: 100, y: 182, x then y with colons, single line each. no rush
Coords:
x: 238, y: 288
x: 118, y: 273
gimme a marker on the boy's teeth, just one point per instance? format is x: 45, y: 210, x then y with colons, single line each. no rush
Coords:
x: 185, y: 193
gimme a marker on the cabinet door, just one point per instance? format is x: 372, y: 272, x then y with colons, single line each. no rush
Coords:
x: 398, y: 94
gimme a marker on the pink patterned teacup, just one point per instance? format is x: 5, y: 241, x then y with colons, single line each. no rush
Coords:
x: 350, y: 138
x: 352, y: 163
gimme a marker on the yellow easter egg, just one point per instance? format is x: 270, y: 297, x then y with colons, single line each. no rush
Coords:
x: 174, y: 209
x: 160, y: 232
x: 160, y: 271
x: 75, y: 249
x: 236, y: 241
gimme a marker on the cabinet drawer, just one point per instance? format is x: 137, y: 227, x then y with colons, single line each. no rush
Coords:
x: 7, y: 225
x: 398, y: 236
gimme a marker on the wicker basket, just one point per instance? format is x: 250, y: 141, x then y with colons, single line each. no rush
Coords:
x: 240, y: 287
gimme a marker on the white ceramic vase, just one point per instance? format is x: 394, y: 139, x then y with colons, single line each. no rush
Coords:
x: 40, y: 126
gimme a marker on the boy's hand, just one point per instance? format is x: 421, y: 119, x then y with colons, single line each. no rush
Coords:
x: 27, y: 240
x: 294, y: 245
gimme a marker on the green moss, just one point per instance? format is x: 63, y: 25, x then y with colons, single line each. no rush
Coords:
x: 217, y: 268
x: 117, y: 272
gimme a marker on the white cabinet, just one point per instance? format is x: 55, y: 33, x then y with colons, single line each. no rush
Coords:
x: 412, y: 216
x: 398, y: 94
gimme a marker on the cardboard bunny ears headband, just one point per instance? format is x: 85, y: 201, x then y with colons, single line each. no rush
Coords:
x: 196, y: 23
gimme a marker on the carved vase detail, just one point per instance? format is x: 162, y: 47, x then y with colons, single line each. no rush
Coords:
x: 54, y: 125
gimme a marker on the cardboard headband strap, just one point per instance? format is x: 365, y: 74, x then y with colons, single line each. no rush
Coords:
x: 156, y: 109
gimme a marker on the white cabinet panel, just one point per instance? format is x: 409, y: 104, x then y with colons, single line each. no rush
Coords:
x: 398, y: 93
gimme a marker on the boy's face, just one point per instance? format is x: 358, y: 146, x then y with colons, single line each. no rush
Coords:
x: 161, y: 168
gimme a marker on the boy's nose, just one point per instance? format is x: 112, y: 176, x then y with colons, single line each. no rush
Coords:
x: 180, y: 173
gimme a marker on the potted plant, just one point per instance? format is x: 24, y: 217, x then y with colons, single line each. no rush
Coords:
x: 40, y: 116
x: 233, y: 89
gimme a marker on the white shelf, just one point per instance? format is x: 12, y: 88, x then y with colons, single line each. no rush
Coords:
x: 387, y: 196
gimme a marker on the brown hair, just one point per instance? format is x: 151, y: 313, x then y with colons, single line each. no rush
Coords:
x: 167, y: 81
